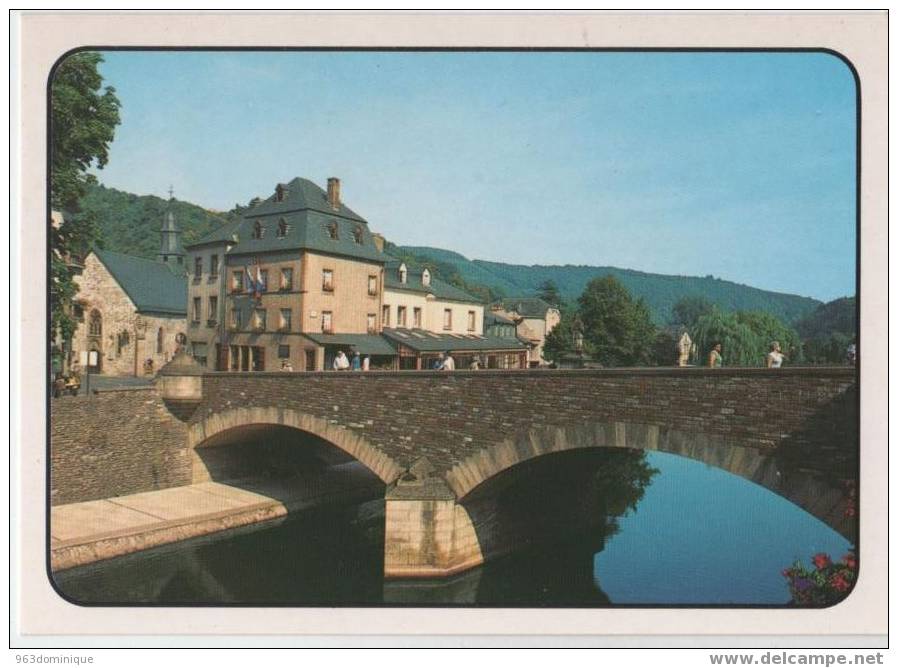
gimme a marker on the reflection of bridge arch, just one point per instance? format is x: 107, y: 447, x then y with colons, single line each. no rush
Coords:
x: 350, y: 441
x: 811, y: 493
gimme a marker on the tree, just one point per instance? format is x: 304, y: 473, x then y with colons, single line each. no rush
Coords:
x: 741, y: 346
x: 689, y: 309
x: 548, y: 292
x: 83, y: 118
x: 769, y: 328
x: 618, y: 330
x: 560, y: 341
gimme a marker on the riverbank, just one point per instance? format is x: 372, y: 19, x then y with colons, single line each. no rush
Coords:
x: 82, y: 533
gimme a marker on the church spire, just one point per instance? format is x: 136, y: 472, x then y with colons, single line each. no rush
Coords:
x: 171, y: 251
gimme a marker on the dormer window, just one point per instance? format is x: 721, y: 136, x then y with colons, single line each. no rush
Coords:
x: 280, y: 192
x: 282, y: 228
x: 332, y: 231
x: 258, y: 230
x: 425, y: 277
x: 403, y: 273
x: 357, y: 234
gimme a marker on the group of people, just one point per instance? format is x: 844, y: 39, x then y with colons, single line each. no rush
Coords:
x: 774, y: 359
x: 68, y: 383
x: 357, y: 363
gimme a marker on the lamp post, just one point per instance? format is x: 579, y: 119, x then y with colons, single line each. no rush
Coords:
x: 578, y: 341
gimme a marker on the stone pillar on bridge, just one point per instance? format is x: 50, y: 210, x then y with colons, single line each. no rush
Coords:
x: 428, y: 534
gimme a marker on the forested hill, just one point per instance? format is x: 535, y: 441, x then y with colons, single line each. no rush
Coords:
x: 130, y: 223
x: 660, y: 291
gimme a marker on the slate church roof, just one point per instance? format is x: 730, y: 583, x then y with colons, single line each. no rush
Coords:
x: 151, y: 285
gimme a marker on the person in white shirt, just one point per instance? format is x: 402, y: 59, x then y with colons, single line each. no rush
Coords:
x: 341, y: 362
x: 366, y: 363
x: 775, y: 357
x: 448, y: 362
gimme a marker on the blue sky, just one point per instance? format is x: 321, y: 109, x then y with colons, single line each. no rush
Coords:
x: 736, y: 165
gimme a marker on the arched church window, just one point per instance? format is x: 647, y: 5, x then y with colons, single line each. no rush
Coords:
x: 96, y: 323
x: 160, y: 335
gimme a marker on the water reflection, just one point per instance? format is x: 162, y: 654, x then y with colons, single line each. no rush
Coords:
x: 589, y: 528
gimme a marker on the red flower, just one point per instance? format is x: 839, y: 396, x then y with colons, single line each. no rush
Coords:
x: 850, y: 560
x: 787, y: 572
x: 838, y: 582
x: 821, y: 561
x: 850, y: 512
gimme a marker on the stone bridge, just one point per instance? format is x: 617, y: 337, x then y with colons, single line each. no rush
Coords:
x: 437, y: 439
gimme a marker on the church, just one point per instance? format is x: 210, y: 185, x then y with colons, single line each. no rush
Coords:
x: 131, y: 309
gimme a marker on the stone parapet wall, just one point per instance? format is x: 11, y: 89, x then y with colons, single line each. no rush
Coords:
x: 449, y: 418
x: 114, y: 443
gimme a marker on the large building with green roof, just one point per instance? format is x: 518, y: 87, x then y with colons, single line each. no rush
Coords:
x: 299, y: 277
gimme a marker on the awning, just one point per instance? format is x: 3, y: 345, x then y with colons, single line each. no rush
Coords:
x: 366, y: 344
x: 423, y: 341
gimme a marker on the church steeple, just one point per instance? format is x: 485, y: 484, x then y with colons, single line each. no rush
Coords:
x: 171, y: 251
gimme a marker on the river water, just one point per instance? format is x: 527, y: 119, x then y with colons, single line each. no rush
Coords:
x: 676, y: 532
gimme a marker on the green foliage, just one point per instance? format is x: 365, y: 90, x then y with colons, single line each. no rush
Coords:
x: 689, y: 309
x: 617, y: 328
x: 660, y: 292
x: 827, y: 332
x: 622, y: 479
x: 560, y: 341
x: 130, y: 223
x: 741, y: 346
x: 83, y: 118
x: 769, y: 329
x: 745, y: 337
x: 664, y: 349
x: 548, y: 292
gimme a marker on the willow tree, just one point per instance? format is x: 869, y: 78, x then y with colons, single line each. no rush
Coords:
x: 83, y: 118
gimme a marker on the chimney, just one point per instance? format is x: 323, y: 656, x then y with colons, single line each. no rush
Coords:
x: 333, y: 192
x: 378, y: 241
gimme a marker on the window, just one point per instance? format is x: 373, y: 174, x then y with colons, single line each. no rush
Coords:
x: 327, y: 322
x: 258, y: 230
x: 416, y: 317
x: 160, y: 337
x: 197, y: 268
x: 197, y: 308
x: 403, y: 273
x: 286, y: 319
x: 357, y: 234
x: 263, y: 280
x: 237, y: 281
x: 96, y: 323
x: 236, y: 320
x: 259, y: 319
x: 78, y: 312
x: 372, y: 284
x: 235, y: 357
x: 213, y: 266
x: 472, y: 320
x: 279, y: 192
x: 372, y: 323
x: 327, y: 280
x: 400, y: 316
x: 331, y: 229
x: 286, y: 278
x: 282, y: 228
x: 386, y: 315
x: 425, y: 277
x: 447, y: 318
x: 198, y: 350
x: 213, y: 309
x: 283, y: 352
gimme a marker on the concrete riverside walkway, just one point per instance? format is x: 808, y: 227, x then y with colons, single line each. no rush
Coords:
x: 81, y: 533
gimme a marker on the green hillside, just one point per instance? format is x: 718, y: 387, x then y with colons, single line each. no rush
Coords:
x: 130, y: 223
x: 660, y: 291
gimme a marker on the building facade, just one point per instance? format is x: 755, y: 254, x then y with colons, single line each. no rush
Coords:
x: 534, y: 318
x: 296, y: 273
x: 130, y: 312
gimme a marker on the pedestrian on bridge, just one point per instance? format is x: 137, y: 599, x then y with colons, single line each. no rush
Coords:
x: 715, y: 359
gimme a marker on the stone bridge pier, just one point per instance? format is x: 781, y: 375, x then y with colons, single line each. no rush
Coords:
x: 440, y: 442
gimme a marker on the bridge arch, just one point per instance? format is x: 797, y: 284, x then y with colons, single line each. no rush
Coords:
x: 812, y: 493
x: 341, y: 437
